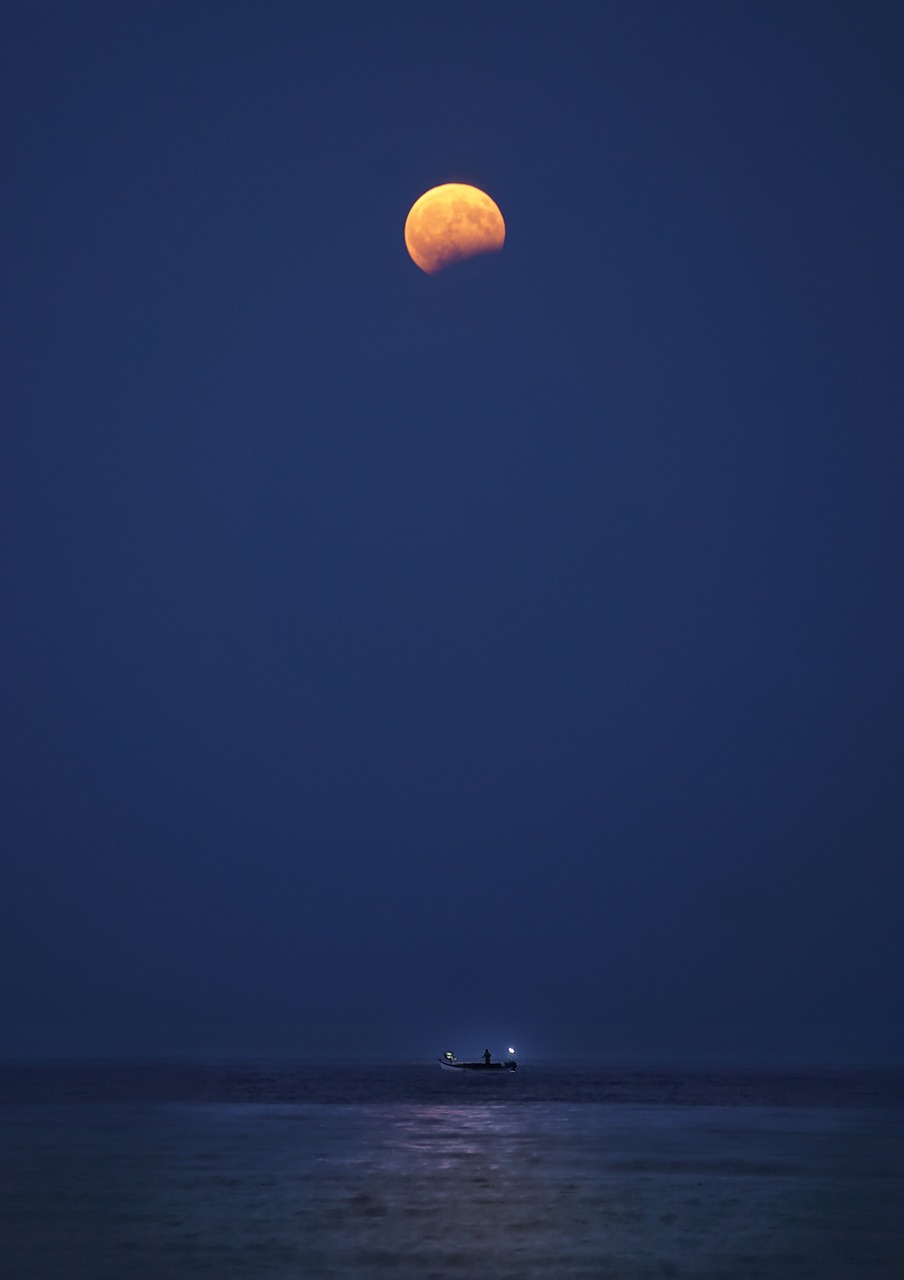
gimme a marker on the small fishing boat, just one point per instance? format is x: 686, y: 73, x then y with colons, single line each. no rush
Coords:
x: 449, y: 1062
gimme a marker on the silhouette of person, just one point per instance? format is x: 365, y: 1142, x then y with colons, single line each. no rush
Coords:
x: 486, y: 1057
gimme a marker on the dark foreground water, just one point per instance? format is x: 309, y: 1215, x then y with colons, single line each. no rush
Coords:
x: 169, y: 1171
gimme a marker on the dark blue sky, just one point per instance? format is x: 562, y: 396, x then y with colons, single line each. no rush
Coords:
x: 393, y: 662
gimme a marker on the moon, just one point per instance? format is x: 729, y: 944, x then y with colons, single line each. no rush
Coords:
x: 450, y: 223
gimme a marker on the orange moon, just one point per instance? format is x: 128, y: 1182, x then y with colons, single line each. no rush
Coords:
x: 452, y: 222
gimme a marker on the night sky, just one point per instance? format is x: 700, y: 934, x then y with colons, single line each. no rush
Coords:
x: 392, y: 662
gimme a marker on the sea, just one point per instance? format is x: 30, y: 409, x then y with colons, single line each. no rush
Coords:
x: 282, y: 1171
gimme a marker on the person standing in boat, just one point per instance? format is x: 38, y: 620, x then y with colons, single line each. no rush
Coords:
x: 486, y: 1057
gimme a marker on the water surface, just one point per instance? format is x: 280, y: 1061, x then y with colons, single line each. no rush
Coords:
x: 279, y: 1171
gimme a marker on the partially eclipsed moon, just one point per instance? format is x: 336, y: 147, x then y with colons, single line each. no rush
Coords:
x: 450, y: 223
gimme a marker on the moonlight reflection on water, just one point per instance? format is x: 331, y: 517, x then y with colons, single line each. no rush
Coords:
x: 449, y: 1188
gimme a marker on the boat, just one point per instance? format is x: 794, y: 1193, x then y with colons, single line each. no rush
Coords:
x: 449, y: 1062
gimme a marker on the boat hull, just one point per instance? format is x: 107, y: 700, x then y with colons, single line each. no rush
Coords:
x: 477, y: 1066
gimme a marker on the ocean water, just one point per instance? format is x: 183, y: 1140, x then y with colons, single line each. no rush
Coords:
x: 173, y: 1170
